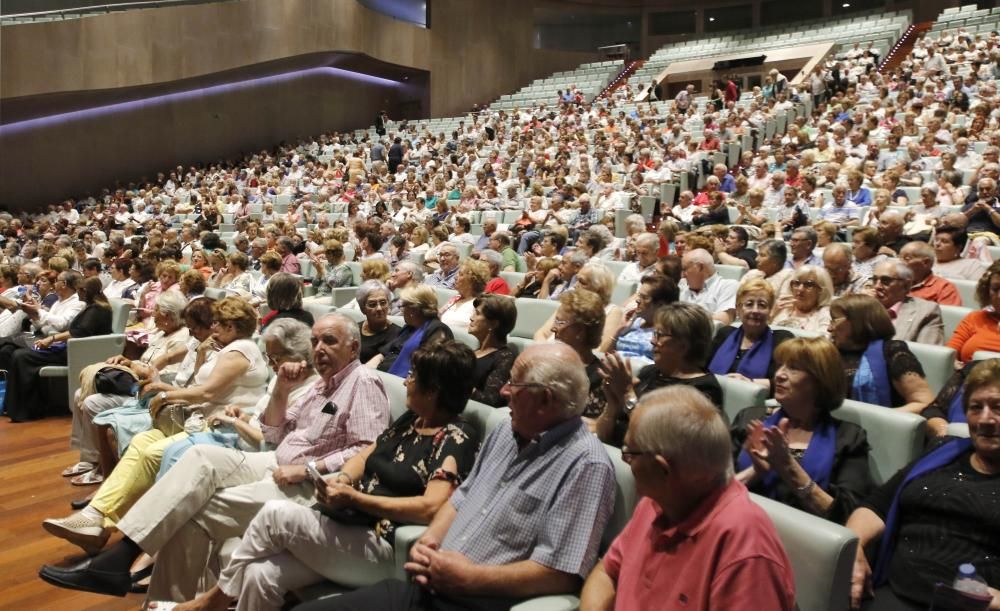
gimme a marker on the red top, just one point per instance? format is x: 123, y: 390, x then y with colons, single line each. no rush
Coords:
x: 937, y: 289
x: 977, y: 331
x: 498, y: 286
x: 725, y: 555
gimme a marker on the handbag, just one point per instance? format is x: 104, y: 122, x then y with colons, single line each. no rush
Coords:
x: 111, y: 381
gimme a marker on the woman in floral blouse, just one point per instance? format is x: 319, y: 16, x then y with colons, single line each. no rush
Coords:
x: 348, y: 536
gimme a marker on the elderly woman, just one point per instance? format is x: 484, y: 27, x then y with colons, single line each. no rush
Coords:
x: 403, y: 478
x: 682, y: 338
x: 579, y: 323
x: 594, y: 277
x: 377, y: 331
x: 167, y: 347
x: 937, y: 513
x: 470, y: 283
x: 799, y: 454
x: 421, y: 328
x: 531, y: 283
x: 168, y: 273
x: 808, y: 307
x: 635, y: 340
x: 270, y: 264
x: 238, y: 280
x: 880, y: 370
x: 191, y: 284
x: 26, y: 398
x: 980, y: 330
x: 200, y: 263
x: 236, y: 376
x: 949, y: 243
x: 493, y: 318
x: 866, y: 256
x: 284, y: 297
x: 332, y: 271
x: 746, y: 352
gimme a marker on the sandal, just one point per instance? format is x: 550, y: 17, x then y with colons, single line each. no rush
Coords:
x: 88, y: 479
x: 78, y: 469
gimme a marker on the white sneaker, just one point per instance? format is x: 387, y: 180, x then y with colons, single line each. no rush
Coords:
x: 87, y: 533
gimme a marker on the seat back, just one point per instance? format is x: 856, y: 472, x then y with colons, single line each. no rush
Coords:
x: 625, y: 497
x: 216, y: 294
x: 938, y: 363
x: 444, y: 295
x: 512, y: 278
x: 343, y: 296
x: 622, y: 291
x: 951, y: 316
x: 396, y: 391
x: 982, y: 355
x: 120, y: 310
x: 519, y: 343
x: 531, y: 315
x: 967, y: 291
x: 737, y: 395
x: 351, y: 313
x: 732, y: 272
x: 484, y: 418
x: 821, y: 553
x: 465, y: 337
x: 319, y: 310
x: 895, y: 437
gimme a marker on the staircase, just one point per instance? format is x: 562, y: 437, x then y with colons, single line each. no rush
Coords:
x: 616, y: 82
x: 902, y: 48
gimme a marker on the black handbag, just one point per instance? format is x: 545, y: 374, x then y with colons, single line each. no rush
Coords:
x: 111, y: 381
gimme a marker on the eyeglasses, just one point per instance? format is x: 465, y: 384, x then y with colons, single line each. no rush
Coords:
x: 526, y: 385
x: 809, y: 285
x: 660, y: 335
x: 381, y: 303
x: 628, y: 455
x: 886, y: 280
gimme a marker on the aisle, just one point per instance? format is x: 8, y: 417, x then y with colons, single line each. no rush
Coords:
x: 32, y: 455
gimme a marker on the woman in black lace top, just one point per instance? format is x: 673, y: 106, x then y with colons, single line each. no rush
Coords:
x: 492, y: 319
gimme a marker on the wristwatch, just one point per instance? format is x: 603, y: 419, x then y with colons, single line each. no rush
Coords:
x: 163, y: 396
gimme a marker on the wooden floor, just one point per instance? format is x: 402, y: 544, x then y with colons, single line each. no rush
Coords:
x: 32, y: 455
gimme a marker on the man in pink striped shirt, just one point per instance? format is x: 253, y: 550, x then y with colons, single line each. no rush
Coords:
x: 213, y: 493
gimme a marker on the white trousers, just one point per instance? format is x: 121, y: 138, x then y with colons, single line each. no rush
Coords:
x: 84, y: 433
x: 289, y: 546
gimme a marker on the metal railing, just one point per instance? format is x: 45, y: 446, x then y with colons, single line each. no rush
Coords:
x: 92, y: 10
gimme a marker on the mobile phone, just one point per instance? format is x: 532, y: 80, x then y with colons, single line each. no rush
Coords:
x: 314, y: 474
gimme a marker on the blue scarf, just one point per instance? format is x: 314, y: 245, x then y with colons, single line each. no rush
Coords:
x: 956, y: 409
x: 754, y: 363
x: 871, y: 382
x: 943, y: 455
x: 401, y: 366
x: 817, y: 460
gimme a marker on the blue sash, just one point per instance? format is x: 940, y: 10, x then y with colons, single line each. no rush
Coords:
x: 754, y: 363
x: 817, y: 460
x: 941, y: 456
x: 956, y: 410
x: 401, y: 366
x: 871, y: 382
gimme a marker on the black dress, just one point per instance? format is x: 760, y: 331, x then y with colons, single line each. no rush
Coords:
x: 298, y: 314
x: 850, y: 478
x: 492, y: 372
x: 898, y: 359
x: 946, y: 517
x: 27, y: 399
x: 373, y: 344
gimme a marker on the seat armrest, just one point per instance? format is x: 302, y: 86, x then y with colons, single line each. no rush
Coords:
x: 406, y: 536
x: 54, y: 371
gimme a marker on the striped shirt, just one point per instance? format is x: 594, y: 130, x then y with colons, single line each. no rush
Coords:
x: 548, y: 502
x: 334, y: 421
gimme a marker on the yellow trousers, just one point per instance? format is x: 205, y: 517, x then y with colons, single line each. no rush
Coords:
x: 134, y: 474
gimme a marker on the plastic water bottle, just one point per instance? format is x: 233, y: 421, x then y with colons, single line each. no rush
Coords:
x: 968, y: 581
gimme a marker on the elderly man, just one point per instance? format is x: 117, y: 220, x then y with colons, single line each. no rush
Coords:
x: 771, y: 256
x: 489, y: 228
x: 213, y: 493
x: 447, y: 273
x: 647, y: 246
x: 529, y: 518
x: 916, y: 320
x: 803, y: 243
x: 691, y: 509
x: 501, y: 241
x: 984, y: 212
x: 838, y: 259
x: 919, y: 256
x: 562, y: 278
x: 703, y: 286
x: 585, y: 217
x: 289, y: 262
x: 733, y: 250
x: 890, y: 233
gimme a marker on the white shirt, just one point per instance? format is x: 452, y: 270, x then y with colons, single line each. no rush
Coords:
x: 57, y: 319
x: 718, y: 294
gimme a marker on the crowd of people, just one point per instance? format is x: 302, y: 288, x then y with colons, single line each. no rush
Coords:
x: 241, y: 407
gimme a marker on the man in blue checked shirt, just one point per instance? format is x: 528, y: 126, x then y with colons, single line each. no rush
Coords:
x: 529, y: 519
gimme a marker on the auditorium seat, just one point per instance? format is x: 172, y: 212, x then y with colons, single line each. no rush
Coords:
x: 951, y: 316
x: 938, y: 363
x: 739, y: 394
x: 531, y: 315
x: 895, y: 437
x: 82, y: 352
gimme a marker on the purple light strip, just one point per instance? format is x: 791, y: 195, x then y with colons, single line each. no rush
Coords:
x: 111, y: 109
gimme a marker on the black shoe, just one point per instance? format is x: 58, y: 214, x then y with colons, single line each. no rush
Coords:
x: 79, y: 504
x: 138, y: 576
x: 86, y: 579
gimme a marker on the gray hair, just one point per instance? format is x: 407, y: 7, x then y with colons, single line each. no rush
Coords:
x: 809, y: 233
x: 775, y: 249
x: 367, y: 288
x: 635, y: 221
x: 578, y: 258
x: 413, y: 269
x: 353, y: 328
x: 902, y: 269
x: 647, y: 239
x: 603, y: 231
x: 172, y: 303
x: 842, y: 248
x: 492, y: 257
x: 822, y: 279
x: 684, y: 426
x: 566, y: 378
x: 294, y: 337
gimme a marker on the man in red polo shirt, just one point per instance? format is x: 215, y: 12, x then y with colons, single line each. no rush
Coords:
x: 695, y: 540
x: 919, y: 257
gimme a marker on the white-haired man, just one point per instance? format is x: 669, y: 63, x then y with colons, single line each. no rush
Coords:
x: 916, y: 320
x: 703, y: 286
x: 528, y: 520
x: 677, y: 446
x: 647, y: 246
